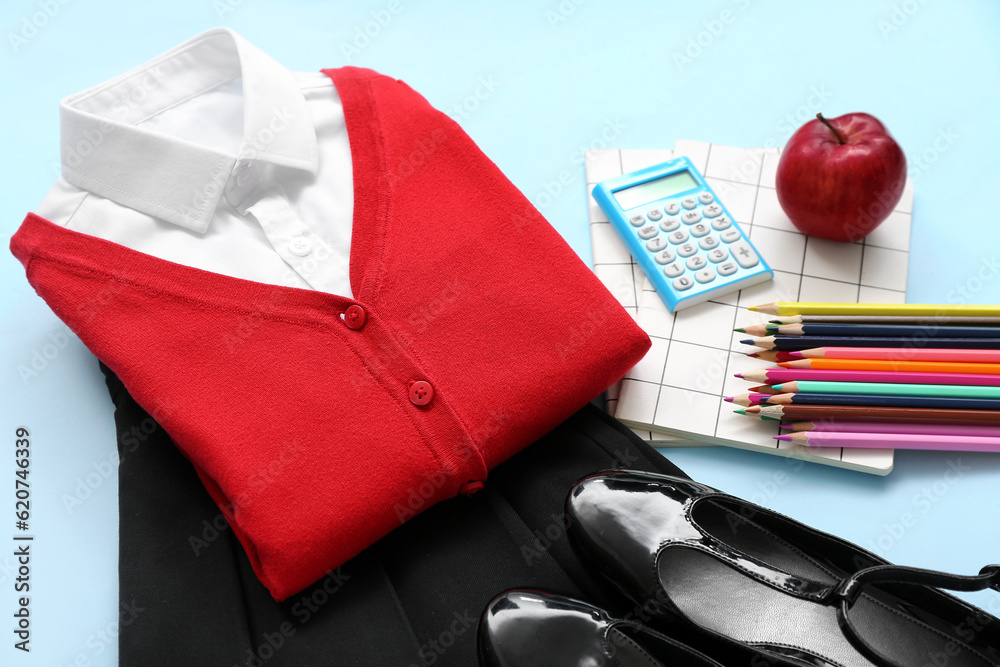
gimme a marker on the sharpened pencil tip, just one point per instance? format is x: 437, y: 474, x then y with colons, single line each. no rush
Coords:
x: 728, y: 399
x: 752, y: 308
x: 739, y: 375
x: 796, y: 354
x: 783, y: 437
x: 740, y: 330
x: 755, y: 355
x: 741, y: 411
x: 748, y: 341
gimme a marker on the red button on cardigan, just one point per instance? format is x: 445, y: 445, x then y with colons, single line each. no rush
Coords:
x: 304, y: 430
x: 355, y: 317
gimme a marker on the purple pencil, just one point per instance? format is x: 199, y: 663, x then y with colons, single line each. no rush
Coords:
x: 882, y: 427
x: 778, y: 375
x: 955, y: 443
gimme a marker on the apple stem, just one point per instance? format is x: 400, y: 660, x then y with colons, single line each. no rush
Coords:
x: 837, y: 134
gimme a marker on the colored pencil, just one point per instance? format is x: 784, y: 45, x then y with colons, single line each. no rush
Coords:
x: 884, y: 427
x: 887, y: 389
x: 914, y: 331
x: 880, y: 400
x: 755, y: 330
x: 905, y: 366
x: 775, y: 375
x: 870, y: 412
x: 930, y: 309
x: 887, y: 319
x: 955, y: 443
x: 807, y: 342
x: 772, y: 355
x: 900, y: 354
x: 746, y: 400
x: 743, y: 411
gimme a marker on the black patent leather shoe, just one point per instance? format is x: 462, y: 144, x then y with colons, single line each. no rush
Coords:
x: 535, y: 629
x: 741, y: 573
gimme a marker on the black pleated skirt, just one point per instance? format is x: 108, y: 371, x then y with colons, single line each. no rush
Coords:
x: 189, y: 596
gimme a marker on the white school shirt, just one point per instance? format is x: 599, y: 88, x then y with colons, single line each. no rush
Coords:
x: 215, y: 156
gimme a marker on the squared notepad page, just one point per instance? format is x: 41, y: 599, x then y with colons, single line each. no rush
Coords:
x: 612, y: 262
x: 679, y: 386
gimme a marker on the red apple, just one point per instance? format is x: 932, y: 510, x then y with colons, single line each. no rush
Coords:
x: 838, y: 179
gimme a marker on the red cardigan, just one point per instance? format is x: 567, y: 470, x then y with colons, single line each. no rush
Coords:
x: 318, y: 422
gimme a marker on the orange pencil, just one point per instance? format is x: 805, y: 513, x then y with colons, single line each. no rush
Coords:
x: 900, y: 354
x: 886, y: 365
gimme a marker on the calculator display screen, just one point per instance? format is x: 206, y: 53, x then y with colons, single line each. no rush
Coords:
x: 655, y: 189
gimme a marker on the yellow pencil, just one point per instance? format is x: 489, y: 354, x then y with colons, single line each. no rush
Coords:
x: 928, y: 309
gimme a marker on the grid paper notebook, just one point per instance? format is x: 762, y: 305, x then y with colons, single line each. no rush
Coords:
x: 675, y: 393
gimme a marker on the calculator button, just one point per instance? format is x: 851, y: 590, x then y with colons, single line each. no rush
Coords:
x: 654, y: 214
x: 718, y: 255
x: 689, y: 202
x: 683, y: 283
x: 672, y: 208
x: 665, y: 257
x: 679, y: 236
x: 700, y: 229
x: 656, y: 245
x: 638, y: 220
x: 706, y: 198
x: 673, y: 270
x: 744, y: 254
x: 731, y: 234
x: 709, y: 242
x: 727, y: 268
x: 722, y: 222
x: 705, y: 276
x: 696, y: 262
x: 712, y: 211
x: 670, y: 224
x: 648, y: 232
x: 691, y: 217
x: 687, y: 249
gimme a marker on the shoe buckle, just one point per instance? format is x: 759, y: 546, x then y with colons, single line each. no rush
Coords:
x: 992, y: 572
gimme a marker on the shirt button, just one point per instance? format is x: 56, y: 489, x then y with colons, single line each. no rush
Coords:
x: 300, y: 246
x: 355, y: 317
x: 245, y: 176
x: 421, y: 393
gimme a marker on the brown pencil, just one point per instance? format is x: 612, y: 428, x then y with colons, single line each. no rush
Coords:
x: 774, y: 356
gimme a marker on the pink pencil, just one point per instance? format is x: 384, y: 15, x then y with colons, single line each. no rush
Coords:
x: 955, y: 443
x: 778, y: 375
x: 881, y: 427
x: 900, y: 354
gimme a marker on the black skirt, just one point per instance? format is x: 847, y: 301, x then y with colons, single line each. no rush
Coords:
x: 189, y: 596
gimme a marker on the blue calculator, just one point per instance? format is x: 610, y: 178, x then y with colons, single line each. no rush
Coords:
x: 680, y: 233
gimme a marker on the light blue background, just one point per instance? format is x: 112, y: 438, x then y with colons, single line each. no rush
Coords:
x: 559, y: 75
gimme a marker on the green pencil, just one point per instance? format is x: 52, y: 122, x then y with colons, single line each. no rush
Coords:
x: 888, y: 389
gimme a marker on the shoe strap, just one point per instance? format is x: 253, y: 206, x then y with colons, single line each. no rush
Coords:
x: 850, y: 588
x: 846, y: 593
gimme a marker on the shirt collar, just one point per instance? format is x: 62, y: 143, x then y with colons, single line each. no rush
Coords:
x: 105, y: 149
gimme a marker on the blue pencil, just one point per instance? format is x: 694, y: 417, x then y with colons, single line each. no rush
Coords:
x: 882, y: 400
